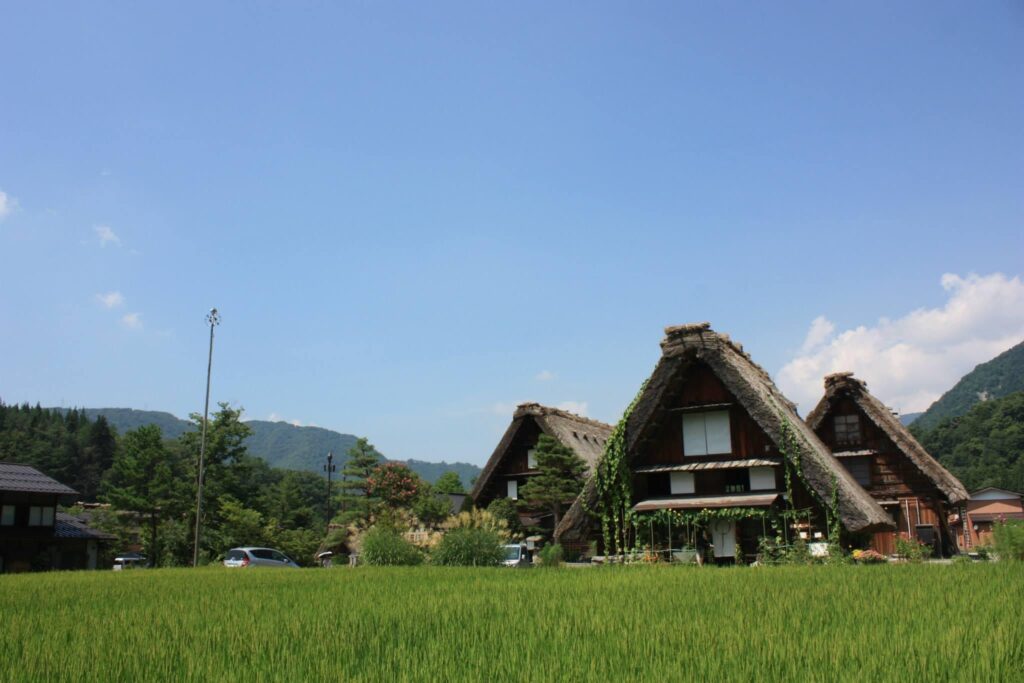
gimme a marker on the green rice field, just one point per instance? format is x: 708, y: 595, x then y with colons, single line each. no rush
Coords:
x: 849, y: 623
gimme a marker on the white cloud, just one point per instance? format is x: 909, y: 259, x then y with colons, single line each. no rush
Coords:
x: 911, y: 361
x: 110, y: 299
x: 274, y: 417
x: 107, y: 236
x: 821, y: 330
x: 578, y: 407
x: 7, y: 204
x: 132, y: 321
x: 544, y: 376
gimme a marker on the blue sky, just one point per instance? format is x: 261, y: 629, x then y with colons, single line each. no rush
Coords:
x: 413, y: 216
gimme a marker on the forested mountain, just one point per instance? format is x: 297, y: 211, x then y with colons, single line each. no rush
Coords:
x: 278, y: 443
x: 127, y: 419
x: 985, y: 447
x: 1001, y: 376
x: 149, y: 483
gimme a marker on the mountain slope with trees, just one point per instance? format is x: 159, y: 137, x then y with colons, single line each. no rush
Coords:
x: 280, y: 444
x: 1001, y: 376
x: 984, y: 447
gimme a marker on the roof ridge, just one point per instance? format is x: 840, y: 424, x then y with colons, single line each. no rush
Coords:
x: 536, y: 409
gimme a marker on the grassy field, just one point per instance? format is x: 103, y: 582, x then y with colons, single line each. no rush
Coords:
x: 907, y: 623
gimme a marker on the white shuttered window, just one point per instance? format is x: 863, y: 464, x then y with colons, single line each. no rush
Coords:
x: 681, y: 482
x: 707, y: 433
x: 513, y: 489
x: 762, y: 478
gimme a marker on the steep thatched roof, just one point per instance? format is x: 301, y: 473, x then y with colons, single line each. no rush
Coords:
x: 584, y: 436
x: 758, y: 395
x: 845, y: 384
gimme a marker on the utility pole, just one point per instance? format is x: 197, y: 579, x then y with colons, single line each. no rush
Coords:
x: 328, y: 468
x: 213, y: 319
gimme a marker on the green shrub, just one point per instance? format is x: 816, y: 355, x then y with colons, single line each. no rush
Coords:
x: 551, y: 555
x: 469, y: 547
x: 912, y: 549
x: 505, y: 509
x: 383, y: 546
x: 1008, y: 538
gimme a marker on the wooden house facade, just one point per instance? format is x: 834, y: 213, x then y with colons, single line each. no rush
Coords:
x: 888, y: 462
x: 711, y: 432
x: 511, y: 464
x: 33, y: 534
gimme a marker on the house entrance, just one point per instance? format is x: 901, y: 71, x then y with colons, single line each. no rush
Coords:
x: 723, y: 536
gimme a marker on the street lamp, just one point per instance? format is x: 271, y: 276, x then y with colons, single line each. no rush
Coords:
x: 328, y: 468
x: 213, y: 319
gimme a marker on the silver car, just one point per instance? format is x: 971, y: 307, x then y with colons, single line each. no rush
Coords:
x: 257, y: 557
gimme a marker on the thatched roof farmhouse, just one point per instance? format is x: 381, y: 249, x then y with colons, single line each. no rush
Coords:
x: 711, y: 430
x: 888, y: 462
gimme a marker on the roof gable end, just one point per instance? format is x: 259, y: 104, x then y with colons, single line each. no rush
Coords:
x: 840, y: 384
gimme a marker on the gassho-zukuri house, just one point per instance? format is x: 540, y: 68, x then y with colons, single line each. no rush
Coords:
x: 512, y: 464
x: 712, y: 453
x: 888, y: 462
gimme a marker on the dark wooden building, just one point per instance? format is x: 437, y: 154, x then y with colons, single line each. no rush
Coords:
x: 707, y: 433
x: 34, y: 536
x: 885, y: 458
x: 511, y: 464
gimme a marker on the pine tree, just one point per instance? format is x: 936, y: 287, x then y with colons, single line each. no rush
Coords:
x: 144, y: 479
x: 362, y: 458
x: 559, y: 481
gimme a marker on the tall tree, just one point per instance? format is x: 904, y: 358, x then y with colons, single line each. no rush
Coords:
x: 227, y: 468
x: 96, y: 455
x: 559, y: 481
x: 144, y: 478
x: 355, y: 496
x: 449, y: 482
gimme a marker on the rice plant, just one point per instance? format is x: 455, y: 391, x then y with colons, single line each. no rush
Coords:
x: 907, y: 623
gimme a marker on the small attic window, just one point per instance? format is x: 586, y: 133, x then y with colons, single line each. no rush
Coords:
x: 847, y: 430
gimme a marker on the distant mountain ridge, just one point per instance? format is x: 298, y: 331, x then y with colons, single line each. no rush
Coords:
x: 280, y: 444
x: 999, y: 377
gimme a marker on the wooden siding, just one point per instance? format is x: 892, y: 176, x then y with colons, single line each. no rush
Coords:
x: 700, y: 387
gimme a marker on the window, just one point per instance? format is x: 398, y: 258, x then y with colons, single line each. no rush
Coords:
x: 706, y: 433
x: 737, y: 481
x: 681, y: 482
x: 40, y: 516
x: 762, y: 478
x: 860, y: 468
x: 513, y: 489
x: 847, y: 430
x: 531, y: 459
x: 7, y: 515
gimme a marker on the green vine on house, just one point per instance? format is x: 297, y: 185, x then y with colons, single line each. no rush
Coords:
x: 614, y: 486
x: 792, y: 456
